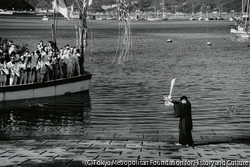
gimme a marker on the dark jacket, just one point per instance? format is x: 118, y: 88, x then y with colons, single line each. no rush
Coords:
x: 184, y: 112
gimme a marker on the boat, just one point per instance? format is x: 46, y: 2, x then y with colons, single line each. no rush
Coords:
x: 98, y: 18
x: 192, y: 17
x: 46, y: 89
x: 220, y: 11
x: 238, y: 29
x: 164, y: 17
x: 54, y: 87
x: 3, y: 12
x: 244, y: 35
x: 154, y: 19
x: 73, y: 14
x: 110, y: 18
x: 201, y: 17
x: 241, y: 27
x: 45, y: 18
x: 151, y: 19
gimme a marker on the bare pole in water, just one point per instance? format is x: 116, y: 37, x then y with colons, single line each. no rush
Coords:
x: 242, y: 7
x: 54, y: 25
x: 53, y: 28
x: 83, y: 7
x: 248, y: 10
x: 163, y: 15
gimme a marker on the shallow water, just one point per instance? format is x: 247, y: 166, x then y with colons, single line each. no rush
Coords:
x: 129, y: 97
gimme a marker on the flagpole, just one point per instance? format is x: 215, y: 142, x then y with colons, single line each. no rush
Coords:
x: 163, y: 15
x: 54, y: 23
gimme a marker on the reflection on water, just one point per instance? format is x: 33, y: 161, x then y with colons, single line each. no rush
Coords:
x: 239, y: 39
x: 45, y: 117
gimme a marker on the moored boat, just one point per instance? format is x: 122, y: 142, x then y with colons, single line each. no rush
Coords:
x: 244, y: 35
x: 200, y: 18
x: 238, y: 30
x: 2, y: 12
x: 45, y: 18
x: 98, y: 18
x: 241, y: 27
x: 52, y: 87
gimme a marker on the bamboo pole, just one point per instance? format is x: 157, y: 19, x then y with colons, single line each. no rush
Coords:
x: 53, y: 27
x: 77, y: 36
x: 83, y: 6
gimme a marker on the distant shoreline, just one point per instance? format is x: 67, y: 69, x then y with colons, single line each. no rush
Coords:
x: 104, y: 17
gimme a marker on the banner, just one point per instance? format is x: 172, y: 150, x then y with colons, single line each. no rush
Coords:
x: 90, y: 2
x: 60, y: 6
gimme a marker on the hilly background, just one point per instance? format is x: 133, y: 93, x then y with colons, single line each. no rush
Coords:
x: 143, y: 5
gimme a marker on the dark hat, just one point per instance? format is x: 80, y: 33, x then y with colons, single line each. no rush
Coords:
x: 183, y: 97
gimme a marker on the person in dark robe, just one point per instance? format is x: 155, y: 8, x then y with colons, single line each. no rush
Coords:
x: 182, y: 110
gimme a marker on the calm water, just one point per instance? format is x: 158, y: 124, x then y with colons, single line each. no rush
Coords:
x: 129, y: 97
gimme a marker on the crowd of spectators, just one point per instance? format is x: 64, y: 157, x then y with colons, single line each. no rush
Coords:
x: 44, y: 64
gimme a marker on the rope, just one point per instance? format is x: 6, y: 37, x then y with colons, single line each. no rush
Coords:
x: 124, y: 41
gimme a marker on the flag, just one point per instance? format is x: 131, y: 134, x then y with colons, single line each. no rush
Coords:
x: 246, y: 5
x: 184, y: 3
x: 60, y: 6
x: 90, y: 2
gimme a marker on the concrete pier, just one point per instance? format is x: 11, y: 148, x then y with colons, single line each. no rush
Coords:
x: 104, y: 145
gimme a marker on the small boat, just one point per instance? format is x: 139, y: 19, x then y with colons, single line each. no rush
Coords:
x: 99, y: 18
x: 219, y: 18
x: 45, y: 18
x: 201, y: 15
x: 164, y: 18
x: 154, y: 19
x: 72, y: 13
x: 3, y: 12
x: 151, y: 19
x: 192, y: 18
x: 241, y: 27
x: 244, y: 35
x: 110, y: 18
x: 74, y: 16
x: 200, y: 18
x: 209, y: 43
x: 238, y: 30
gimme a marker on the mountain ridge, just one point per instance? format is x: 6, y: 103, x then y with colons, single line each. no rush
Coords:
x: 186, y: 6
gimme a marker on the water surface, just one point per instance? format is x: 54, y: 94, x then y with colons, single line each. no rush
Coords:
x: 128, y: 98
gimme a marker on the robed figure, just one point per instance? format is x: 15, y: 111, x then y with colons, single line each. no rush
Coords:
x: 182, y: 110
